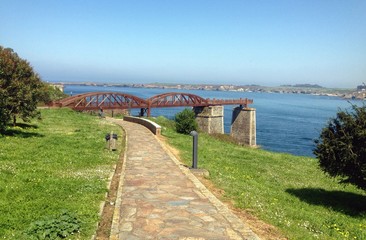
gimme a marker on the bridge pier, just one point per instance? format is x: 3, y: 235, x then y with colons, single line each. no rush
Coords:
x: 210, y: 119
x: 243, y: 126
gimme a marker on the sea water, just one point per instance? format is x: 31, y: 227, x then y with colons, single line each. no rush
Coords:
x: 285, y: 122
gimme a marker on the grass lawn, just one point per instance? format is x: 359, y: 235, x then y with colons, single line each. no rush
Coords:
x: 52, y: 169
x: 287, y: 191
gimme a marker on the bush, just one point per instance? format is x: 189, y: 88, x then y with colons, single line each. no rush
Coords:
x: 51, y: 93
x: 341, y: 147
x: 58, y: 227
x: 185, y: 121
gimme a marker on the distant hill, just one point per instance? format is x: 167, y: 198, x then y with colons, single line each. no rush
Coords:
x: 303, y: 86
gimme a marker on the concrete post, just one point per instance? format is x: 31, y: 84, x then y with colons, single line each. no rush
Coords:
x: 210, y: 119
x: 243, y: 126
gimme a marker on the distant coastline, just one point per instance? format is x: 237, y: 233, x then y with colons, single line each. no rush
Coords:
x: 359, y: 93
x: 285, y: 122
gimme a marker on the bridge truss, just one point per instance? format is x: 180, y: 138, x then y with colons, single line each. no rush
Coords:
x: 115, y: 100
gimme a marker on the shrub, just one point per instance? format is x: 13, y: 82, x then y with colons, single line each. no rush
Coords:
x: 341, y: 147
x: 185, y: 121
x: 58, y: 227
x: 51, y: 93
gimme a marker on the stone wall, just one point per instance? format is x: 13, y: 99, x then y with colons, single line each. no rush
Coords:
x: 153, y: 127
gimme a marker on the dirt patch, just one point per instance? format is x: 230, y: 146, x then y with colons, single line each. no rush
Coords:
x: 175, y: 151
x: 105, y: 223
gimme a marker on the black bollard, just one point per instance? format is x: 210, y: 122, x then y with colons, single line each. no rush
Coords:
x: 195, y: 148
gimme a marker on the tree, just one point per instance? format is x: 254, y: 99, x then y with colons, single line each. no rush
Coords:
x: 185, y: 121
x: 341, y: 147
x: 20, y: 88
x: 51, y: 93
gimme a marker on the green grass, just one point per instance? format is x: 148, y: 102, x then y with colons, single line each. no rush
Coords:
x: 51, y: 165
x: 287, y: 191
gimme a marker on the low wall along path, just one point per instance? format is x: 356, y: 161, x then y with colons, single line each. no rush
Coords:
x: 158, y: 198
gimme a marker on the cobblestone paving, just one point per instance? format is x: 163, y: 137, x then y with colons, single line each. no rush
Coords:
x: 158, y: 198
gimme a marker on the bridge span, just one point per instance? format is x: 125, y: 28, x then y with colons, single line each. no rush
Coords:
x: 116, y: 100
x: 209, y: 112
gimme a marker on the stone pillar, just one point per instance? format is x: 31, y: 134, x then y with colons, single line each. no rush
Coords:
x: 243, y: 126
x: 210, y: 119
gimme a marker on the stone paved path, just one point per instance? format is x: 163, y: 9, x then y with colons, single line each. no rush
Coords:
x: 158, y: 198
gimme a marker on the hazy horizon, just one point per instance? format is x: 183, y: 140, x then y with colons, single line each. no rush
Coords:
x: 180, y: 83
x: 268, y: 43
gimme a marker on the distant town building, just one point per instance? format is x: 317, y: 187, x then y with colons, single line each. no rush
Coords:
x: 361, y: 88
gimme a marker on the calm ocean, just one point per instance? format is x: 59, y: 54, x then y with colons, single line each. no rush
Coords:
x: 285, y: 122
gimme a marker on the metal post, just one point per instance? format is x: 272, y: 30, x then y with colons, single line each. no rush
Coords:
x: 195, y: 147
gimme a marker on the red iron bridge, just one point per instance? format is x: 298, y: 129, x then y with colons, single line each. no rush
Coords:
x: 115, y: 100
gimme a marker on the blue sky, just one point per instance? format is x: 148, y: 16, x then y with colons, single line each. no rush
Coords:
x: 268, y: 43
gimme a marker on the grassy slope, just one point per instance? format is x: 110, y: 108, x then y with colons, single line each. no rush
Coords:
x: 54, y: 164
x: 287, y: 191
